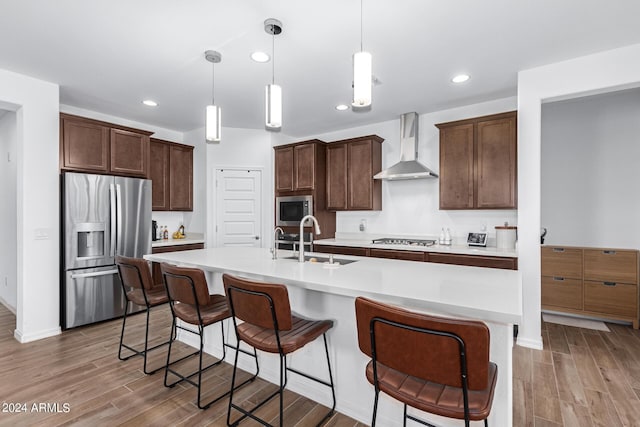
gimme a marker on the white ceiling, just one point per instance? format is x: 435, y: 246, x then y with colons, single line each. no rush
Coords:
x: 109, y: 55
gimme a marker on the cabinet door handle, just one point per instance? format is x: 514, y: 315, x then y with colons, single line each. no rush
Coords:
x: 558, y: 249
x: 558, y: 279
x: 609, y: 252
x: 609, y: 283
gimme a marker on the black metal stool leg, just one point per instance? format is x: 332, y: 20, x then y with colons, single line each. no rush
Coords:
x: 124, y: 320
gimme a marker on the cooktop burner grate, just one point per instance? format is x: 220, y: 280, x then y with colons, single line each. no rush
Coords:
x: 409, y: 242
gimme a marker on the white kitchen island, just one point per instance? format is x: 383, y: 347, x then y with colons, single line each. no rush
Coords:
x: 320, y: 291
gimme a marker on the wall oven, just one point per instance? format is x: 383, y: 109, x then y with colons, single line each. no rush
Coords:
x: 291, y: 209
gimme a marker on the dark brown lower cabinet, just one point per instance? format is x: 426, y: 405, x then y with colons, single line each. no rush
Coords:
x: 341, y: 250
x: 393, y: 254
x: 473, y: 260
x: 506, y: 263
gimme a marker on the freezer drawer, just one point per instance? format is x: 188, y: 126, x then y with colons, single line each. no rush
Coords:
x: 92, y: 295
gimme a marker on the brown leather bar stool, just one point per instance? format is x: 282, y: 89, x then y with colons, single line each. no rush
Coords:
x: 191, y: 303
x: 434, y: 364
x: 268, y: 325
x: 138, y: 288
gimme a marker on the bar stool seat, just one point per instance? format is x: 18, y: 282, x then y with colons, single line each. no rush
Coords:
x: 213, y: 311
x: 139, y: 288
x: 302, y: 332
x: 191, y: 303
x: 435, y: 364
x: 155, y: 296
x: 434, y: 397
x: 268, y: 325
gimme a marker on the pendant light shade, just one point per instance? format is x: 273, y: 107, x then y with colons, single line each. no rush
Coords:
x: 362, y: 75
x: 213, y: 124
x: 273, y: 106
x: 273, y: 92
x: 361, y: 79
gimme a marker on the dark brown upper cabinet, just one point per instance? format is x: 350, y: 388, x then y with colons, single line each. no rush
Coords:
x: 171, y: 173
x: 93, y: 146
x: 299, y: 166
x: 478, y: 163
x: 351, y: 165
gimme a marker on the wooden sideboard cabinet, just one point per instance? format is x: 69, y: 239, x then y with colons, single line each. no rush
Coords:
x: 171, y: 172
x: 478, y: 163
x: 351, y: 165
x: 600, y: 282
x: 93, y: 146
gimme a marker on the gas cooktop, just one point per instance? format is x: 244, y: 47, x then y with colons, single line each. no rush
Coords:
x: 409, y: 242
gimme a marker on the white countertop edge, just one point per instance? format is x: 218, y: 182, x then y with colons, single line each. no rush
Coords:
x: 455, y: 249
x: 317, y: 278
x: 175, y: 242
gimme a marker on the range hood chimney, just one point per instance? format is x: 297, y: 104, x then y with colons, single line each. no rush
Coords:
x: 408, y: 167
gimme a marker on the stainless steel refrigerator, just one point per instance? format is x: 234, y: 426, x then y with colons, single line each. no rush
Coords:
x: 103, y: 216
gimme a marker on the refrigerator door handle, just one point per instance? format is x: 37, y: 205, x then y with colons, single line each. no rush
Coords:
x: 94, y: 274
x: 120, y: 223
x: 112, y: 197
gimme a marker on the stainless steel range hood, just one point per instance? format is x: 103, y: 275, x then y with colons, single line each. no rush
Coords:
x: 408, y: 167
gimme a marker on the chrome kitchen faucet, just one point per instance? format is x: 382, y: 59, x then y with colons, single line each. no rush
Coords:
x: 302, y: 221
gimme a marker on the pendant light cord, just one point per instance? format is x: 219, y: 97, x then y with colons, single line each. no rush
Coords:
x: 213, y: 83
x: 273, y: 55
x: 361, y: 48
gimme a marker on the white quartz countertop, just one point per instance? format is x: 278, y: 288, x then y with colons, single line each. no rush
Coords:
x: 488, y: 294
x: 175, y: 242
x: 452, y: 249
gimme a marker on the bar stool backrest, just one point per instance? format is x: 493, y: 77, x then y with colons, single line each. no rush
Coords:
x: 186, y: 285
x: 252, y: 302
x: 429, y: 356
x: 135, y: 272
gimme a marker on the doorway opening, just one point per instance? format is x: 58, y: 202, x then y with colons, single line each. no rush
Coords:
x: 8, y: 211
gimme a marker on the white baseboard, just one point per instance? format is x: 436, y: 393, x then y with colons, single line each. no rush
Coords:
x: 9, y: 306
x: 535, y: 344
x: 34, y: 336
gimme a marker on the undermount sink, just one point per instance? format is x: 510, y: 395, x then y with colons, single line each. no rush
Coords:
x: 322, y: 259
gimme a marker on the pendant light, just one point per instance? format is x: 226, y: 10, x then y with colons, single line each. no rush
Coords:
x: 273, y: 92
x: 361, y: 75
x: 212, y: 118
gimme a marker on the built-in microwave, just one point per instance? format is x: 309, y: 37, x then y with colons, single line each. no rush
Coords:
x: 291, y: 209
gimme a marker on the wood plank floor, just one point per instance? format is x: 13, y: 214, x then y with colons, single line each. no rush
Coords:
x: 582, y: 378
x: 80, y: 368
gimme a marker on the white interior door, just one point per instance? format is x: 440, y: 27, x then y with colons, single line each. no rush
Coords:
x: 238, y: 207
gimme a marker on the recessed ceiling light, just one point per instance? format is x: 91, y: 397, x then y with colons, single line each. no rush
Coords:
x: 150, y: 103
x: 260, y: 57
x: 460, y: 78
x: 342, y: 107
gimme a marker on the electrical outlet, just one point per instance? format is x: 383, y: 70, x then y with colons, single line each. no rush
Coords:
x: 483, y: 227
x: 363, y: 225
x: 6, y: 281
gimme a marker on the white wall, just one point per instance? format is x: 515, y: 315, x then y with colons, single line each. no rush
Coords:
x: 245, y: 148
x: 412, y: 207
x: 606, y: 71
x: 8, y: 211
x: 36, y: 104
x: 590, y: 192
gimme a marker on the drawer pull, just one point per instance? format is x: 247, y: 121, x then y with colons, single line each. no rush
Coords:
x: 609, y: 252
x: 609, y: 283
x: 558, y: 279
x: 558, y: 249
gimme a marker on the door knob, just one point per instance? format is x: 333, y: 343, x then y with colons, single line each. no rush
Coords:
x: 257, y: 237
